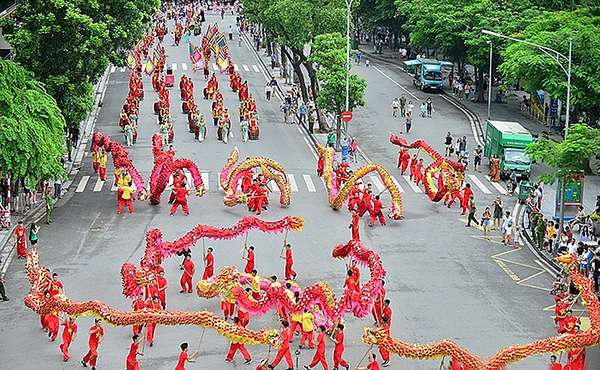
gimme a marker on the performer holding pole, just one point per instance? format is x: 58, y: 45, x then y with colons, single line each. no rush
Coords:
x: 184, y: 357
x: 132, y: 362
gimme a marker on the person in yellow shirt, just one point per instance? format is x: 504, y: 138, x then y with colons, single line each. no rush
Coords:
x: 95, y: 157
x: 124, y: 178
x: 102, y: 159
x: 126, y: 198
x: 308, y: 326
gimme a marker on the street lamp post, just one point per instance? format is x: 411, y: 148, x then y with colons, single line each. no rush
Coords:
x: 348, y: 12
x: 489, y: 107
x: 554, y: 54
x: 557, y: 56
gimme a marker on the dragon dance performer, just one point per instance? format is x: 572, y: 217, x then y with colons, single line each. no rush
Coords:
x: 366, y: 203
x: 378, y: 305
x: 20, y: 232
x: 184, y: 357
x: 125, y: 197
x: 152, y: 304
x: 376, y: 212
x: 553, y: 364
x: 162, y: 283
x: 576, y: 359
x: 102, y: 159
x: 413, y: 165
x: 373, y: 364
x: 466, y: 196
x: 285, y: 337
x: 250, y: 264
x: 243, y: 91
x: 355, y: 195
x: 354, y: 225
x: 308, y: 326
x: 52, y: 322
x: 181, y: 199
x: 320, y: 356
x: 96, y: 334
x: 338, y: 350
x: 289, y: 272
x: 132, y: 363
x: 238, y: 346
x: 69, y: 332
x: 419, y: 176
x: 209, y: 264
x: 187, y: 275
x: 137, y: 304
x: 403, y: 159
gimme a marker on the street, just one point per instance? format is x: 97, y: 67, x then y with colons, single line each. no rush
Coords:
x: 444, y: 280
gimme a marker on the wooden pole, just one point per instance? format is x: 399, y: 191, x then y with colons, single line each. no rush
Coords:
x: 363, y: 358
x: 284, y: 243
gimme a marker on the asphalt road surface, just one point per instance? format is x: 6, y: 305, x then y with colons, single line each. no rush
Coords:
x: 444, y: 280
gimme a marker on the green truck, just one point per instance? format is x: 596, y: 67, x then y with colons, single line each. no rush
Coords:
x: 507, y: 140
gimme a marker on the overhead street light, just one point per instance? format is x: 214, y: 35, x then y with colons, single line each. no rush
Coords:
x: 556, y: 55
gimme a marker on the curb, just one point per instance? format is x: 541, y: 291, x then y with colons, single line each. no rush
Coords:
x: 548, y: 262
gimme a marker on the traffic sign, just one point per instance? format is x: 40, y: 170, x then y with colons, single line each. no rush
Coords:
x: 347, y: 116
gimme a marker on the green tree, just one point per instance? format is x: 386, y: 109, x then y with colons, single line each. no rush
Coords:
x: 329, y: 54
x: 64, y: 48
x: 539, y: 71
x: 31, y: 126
x: 568, y: 156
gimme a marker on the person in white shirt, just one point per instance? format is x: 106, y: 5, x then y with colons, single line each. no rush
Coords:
x: 507, y: 227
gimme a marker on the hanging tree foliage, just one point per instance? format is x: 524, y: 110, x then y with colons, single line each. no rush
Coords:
x: 31, y: 126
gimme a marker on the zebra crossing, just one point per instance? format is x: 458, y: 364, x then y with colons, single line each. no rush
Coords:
x: 300, y: 183
x: 185, y: 67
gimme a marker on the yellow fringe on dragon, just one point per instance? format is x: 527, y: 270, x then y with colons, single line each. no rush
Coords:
x: 565, y: 342
x: 337, y: 197
x: 42, y: 303
x: 232, y: 173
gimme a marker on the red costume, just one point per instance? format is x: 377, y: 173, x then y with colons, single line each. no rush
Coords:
x: 246, y: 182
x: 187, y: 275
x: 378, y: 307
x: 413, y: 166
x: 338, y: 351
x: 69, y: 331
x: 137, y: 305
x: 250, y: 262
x: 289, y: 262
x: 20, y: 237
x: 466, y: 197
x: 385, y: 355
x: 577, y: 359
x: 53, y: 324
x: 555, y: 366
x: 366, y: 203
x: 162, y: 291
x: 354, y: 198
x: 419, y: 177
x: 319, y: 356
x: 284, y: 349
x: 183, y: 356
x: 403, y: 159
x: 150, y: 304
x: 132, y: 363
x: 96, y: 334
x: 320, y: 166
x: 373, y: 365
x: 354, y: 226
x: 180, y: 199
x: 209, y: 267
x: 376, y: 213
x: 234, y: 347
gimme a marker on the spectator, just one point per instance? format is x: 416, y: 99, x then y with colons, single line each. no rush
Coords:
x: 477, y: 157
x: 302, y: 110
x: 498, y: 207
x: 330, y: 139
x: 507, y: 227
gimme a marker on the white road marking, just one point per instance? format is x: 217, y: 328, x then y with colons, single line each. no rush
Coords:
x: 396, y: 83
x: 479, y: 184
x: 498, y: 187
x: 471, y: 121
x: 236, y: 68
x: 255, y: 68
x: 99, y: 184
x: 82, y: 183
x: 215, y: 67
x: 309, y: 183
x: 122, y: 69
x: 184, y: 66
x: 397, y: 184
x: 174, y: 67
x: 378, y: 184
x: 412, y: 185
x: 205, y: 180
x: 246, y: 68
x: 293, y: 184
x: 113, y: 69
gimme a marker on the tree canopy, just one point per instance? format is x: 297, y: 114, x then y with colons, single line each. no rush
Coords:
x: 570, y: 155
x: 31, y: 126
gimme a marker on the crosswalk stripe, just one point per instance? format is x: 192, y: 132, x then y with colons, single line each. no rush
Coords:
x: 184, y: 66
x: 309, y: 183
x: 174, y: 66
x: 378, y: 184
x: 205, y: 180
x: 113, y: 69
x: 99, y: 184
x: 273, y: 186
x: 245, y: 67
x: 397, y: 184
x: 82, y: 183
x: 255, y: 68
x: 498, y: 187
x: 412, y: 185
x: 479, y: 184
x: 122, y: 69
x: 236, y: 68
x: 215, y: 67
x: 293, y: 184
